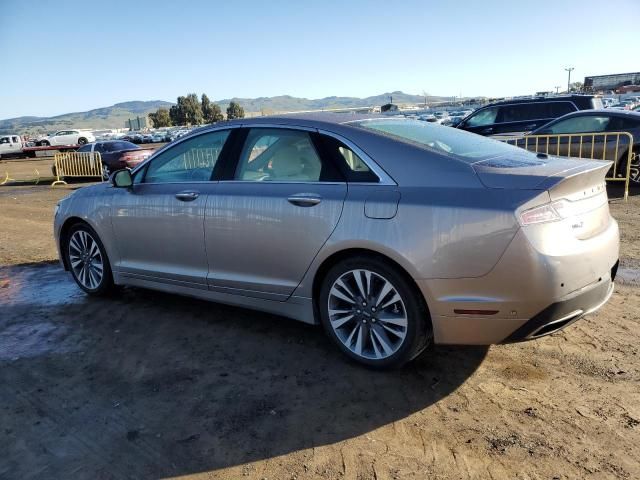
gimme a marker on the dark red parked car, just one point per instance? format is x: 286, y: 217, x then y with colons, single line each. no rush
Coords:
x: 117, y: 154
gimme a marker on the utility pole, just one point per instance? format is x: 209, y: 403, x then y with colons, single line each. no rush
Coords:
x: 557, y: 89
x: 569, y: 69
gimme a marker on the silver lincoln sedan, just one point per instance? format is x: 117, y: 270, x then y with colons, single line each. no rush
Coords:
x: 391, y: 233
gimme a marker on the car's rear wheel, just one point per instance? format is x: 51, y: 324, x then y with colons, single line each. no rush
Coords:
x: 87, y: 259
x: 45, y: 143
x: 373, y: 313
x: 82, y: 141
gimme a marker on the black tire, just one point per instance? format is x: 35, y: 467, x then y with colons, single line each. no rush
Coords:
x: 106, y: 285
x: 418, y: 329
x: 45, y: 143
x: 82, y: 141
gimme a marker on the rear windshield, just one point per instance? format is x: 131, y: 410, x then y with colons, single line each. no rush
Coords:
x: 467, y: 146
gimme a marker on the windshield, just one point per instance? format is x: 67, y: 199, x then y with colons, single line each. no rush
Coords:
x: 467, y: 146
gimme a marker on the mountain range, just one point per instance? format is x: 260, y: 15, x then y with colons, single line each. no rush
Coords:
x: 116, y: 115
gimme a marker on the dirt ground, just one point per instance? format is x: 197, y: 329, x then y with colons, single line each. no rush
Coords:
x: 150, y: 385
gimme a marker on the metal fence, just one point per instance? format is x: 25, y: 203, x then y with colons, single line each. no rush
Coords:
x: 615, y: 146
x: 75, y: 164
x: 200, y: 158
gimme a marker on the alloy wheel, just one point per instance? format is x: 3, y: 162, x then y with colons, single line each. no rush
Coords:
x: 367, y: 314
x: 86, y: 259
x: 634, y: 170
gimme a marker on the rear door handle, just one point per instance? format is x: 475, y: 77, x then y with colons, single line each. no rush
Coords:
x: 187, y: 196
x: 304, y: 199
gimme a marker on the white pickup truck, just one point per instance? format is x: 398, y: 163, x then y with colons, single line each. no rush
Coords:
x: 11, y: 145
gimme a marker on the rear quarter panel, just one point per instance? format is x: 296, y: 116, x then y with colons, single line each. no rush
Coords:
x: 436, y: 233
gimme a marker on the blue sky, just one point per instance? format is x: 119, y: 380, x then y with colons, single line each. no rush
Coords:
x: 69, y: 56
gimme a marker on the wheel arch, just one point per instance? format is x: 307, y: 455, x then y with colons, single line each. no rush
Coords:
x: 338, y: 256
x: 66, y: 227
x: 64, y: 234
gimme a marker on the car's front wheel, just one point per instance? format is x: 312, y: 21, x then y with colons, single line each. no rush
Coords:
x: 87, y: 259
x: 373, y: 313
x: 82, y: 141
x: 45, y: 143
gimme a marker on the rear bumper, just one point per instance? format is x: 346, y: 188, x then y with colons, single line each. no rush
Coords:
x: 534, y: 290
x: 562, y: 314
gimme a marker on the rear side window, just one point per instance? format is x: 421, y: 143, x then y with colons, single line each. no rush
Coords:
x: 586, y: 124
x: 534, y: 111
x: 558, y: 109
x: 618, y: 123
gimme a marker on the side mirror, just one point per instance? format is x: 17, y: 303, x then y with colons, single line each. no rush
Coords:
x: 122, y: 178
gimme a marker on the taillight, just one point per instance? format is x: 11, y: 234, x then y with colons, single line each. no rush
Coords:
x: 560, y: 209
x: 542, y: 214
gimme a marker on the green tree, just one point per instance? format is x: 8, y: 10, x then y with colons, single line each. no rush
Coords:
x: 216, y: 114
x: 161, y: 118
x: 206, y: 107
x: 576, y: 87
x: 210, y: 111
x: 234, y: 111
x: 177, y: 112
x: 192, y: 109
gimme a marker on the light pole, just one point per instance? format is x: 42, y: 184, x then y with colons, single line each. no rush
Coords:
x: 557, y: 89
x: 569, y: 69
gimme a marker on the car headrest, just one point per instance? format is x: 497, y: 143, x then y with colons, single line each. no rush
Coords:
x: 287, y: 162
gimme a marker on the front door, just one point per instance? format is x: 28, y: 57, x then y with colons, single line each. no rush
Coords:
x: 265, y: 225
x: 159, y: 222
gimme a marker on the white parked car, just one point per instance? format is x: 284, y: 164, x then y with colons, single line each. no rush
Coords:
x: 68, y: 137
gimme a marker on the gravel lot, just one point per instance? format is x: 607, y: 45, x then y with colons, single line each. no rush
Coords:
x: 150, y: 385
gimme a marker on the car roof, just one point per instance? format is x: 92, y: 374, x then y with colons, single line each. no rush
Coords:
x: 602, y: 111
x: 555, y: 98
x: 328, y: 120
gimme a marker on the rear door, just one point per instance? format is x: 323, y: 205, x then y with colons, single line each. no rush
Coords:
x: 278, y: 203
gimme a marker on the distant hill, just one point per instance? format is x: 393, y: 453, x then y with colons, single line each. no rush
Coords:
x: 286, y: 103
x: 116, y: 115
x: 107, y: 117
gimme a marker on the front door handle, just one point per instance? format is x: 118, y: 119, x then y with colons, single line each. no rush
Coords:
x: 187, y: 196
x: 486, y: 131
x: 304, y: 199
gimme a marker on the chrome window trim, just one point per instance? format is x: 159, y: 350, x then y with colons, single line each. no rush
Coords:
x: 278, y: 182
x: 383, y: 177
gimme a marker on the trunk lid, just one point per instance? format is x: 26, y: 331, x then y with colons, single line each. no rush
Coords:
x: 575, y: 188
x: 528, y: 171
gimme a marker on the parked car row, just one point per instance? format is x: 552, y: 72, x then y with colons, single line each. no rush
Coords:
x: 629, y: 103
